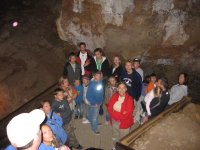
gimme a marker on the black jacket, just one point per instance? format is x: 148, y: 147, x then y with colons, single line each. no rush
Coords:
x: 158, y: 105
x: 117, y: 73
x: 104, y: 67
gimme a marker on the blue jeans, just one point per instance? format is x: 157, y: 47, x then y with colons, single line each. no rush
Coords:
x: 93, y: 113
x: 85, y: 110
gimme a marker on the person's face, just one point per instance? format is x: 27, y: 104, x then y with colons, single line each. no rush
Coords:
x: 128, y: 66
x: 72, y: 59
x: 98, y: 55
x: 181, y: 79
x: 112, y: 81
x: 159, y: 83
x: 122, y: 89
x: 82, y: 47
x: 59, y: 96
x: 116, y: 61
x: 136, y: 65
x: 65, y: 83
x: 47, y: 134
x: 85, y: 81
x: 46, y: 107
x: 153, y: 79
x: 77, y: 82
x: 97, y: 77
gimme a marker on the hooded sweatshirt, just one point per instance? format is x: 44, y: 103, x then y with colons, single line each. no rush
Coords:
x: 95, y: 92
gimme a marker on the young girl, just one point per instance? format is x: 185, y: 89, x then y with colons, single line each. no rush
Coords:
x: 70, y: 92
x: 111, y: 88
x: 49, y: 141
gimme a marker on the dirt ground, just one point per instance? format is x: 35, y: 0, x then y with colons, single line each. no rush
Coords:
x: 179, y: 131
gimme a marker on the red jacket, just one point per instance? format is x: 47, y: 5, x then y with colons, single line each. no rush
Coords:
x: 126, y: 115
x: 89, y: 56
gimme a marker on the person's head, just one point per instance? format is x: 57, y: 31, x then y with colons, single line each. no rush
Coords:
x: 82, y: 46
x: 63, y: 82
x: 59, y: 94
x: 85, y: 80
x: 23, y: 131
x: 146, y: 79
x: 72, y: 57
x: 183, y: 78
x: 77, y: 82
x: 128, y: 65
x: 112, y: 81
x: 153, y: 78
x: 136, y: 63
x: 121, y: 88
x: 97, y: 75
x: 98, y: 52
x: 46, y: 106
x: 116, y: 61
x: 162, y: 83
x: 47, y: 134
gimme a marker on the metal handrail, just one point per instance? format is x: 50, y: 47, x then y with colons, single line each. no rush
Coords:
x: 31, y: 104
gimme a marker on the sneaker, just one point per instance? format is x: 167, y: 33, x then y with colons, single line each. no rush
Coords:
x: 86, y: 121
x: 113, y: 148
x: 106, y: 123
x: 97, y: 133
x: 78, y: 147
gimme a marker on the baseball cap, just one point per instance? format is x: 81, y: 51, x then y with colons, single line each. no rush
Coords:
x: 136, y: 60
x: 23, y: 128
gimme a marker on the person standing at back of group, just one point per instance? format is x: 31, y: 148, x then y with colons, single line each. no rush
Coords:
x: 72, y: 69
x: 136, y: 66
x: 116, y: 68
x: 83, y: 58
x: 99, y: 63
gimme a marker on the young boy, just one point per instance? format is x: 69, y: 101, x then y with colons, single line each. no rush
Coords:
x: 72, y: 69
x: 54, y: 122
x: 61, y: 107
x: 85, y: 81
x: 152, y: 82
x: 95, y: 97
x: 136, y: 66
x: 79, y: 99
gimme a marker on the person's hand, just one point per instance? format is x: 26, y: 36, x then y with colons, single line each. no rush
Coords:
x: 144, y: 119
x: 124, y: 112
x: 96, y: 105
x: 86, y: 63
x: 58, y: 114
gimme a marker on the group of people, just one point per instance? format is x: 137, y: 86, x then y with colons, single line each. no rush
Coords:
x: 91, y: 86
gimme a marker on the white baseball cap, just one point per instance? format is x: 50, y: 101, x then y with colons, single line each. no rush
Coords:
x: 23, y: 128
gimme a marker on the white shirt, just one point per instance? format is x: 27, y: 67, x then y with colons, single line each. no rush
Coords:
x: 83, y: 58
x: 118, y: 104
x: 177, y: 92
x: 148, y: 98
x: 141, y: 72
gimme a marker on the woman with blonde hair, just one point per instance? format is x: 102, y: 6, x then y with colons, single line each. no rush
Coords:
x: 69, y: 92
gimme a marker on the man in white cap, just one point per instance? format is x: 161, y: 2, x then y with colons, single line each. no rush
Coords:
x: 23, y: 130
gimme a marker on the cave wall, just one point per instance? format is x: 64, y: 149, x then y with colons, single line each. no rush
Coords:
x: 165, y: 34
x: 31, y: 54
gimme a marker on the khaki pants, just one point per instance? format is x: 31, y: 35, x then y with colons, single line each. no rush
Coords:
x: 69, y: 128
x: 118, y: 133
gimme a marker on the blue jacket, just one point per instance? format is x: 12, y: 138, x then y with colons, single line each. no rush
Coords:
x: 79, y: 98
x: 95, y: 92
x: 55, y: 123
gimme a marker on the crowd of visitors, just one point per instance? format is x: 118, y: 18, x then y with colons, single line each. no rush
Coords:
x: 91, y: 86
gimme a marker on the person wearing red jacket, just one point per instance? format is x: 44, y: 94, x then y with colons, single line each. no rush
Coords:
x: 83, y: 58
x: 120, y: 109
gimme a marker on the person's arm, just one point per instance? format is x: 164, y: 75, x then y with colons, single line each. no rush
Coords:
x: 89, y: 94
x: 128, y: 110
x: 148, y: 98
x: 90, y: 66
x: 58, y: 119
x: 65, y: 71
